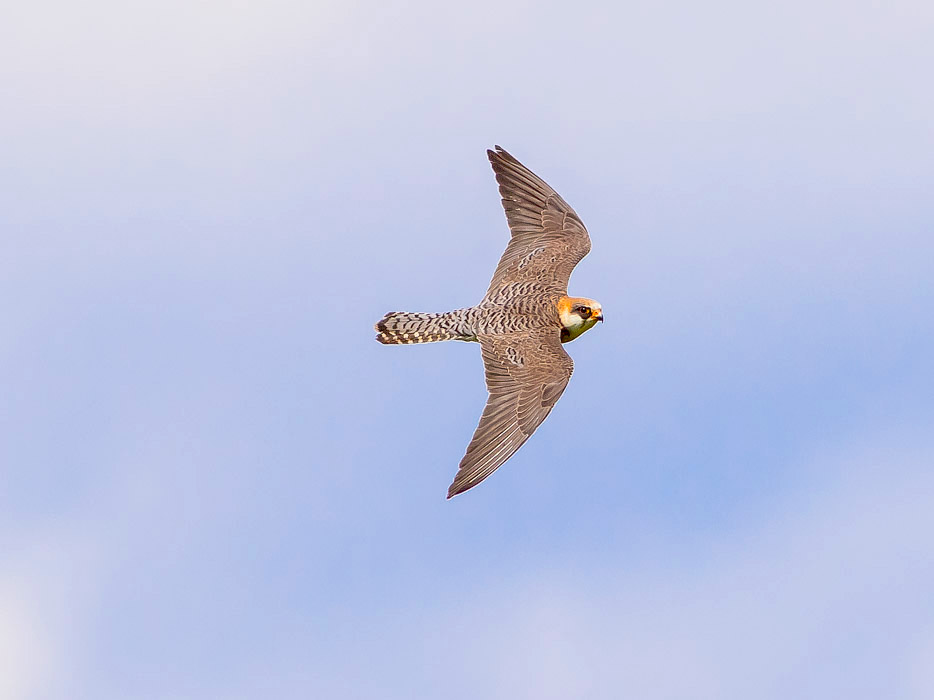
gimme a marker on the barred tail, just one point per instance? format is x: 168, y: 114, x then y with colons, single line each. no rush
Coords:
x: 405, y: 327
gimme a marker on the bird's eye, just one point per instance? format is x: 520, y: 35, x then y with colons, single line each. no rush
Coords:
x: 584, y: 312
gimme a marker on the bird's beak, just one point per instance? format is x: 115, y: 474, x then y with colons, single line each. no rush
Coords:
x: 600, y: 317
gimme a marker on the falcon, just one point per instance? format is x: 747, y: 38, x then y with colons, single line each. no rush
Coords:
x: 520, y: 323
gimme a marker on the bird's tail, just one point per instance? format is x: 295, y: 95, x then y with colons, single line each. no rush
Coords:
x: 406, y: 327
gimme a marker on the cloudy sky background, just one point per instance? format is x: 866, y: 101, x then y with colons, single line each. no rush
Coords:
x: 216, y: 485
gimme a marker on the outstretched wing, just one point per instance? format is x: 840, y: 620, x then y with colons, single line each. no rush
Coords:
x: 526, y: 373
x: 548, y: 237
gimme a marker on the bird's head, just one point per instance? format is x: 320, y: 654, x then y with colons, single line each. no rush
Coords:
x: 577, y: 316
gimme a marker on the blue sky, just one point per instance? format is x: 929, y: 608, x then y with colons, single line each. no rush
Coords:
x: 217, y: 485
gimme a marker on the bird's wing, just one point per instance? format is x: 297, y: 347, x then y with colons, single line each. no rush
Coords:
x: 548, y: 238
x: 526, y: 373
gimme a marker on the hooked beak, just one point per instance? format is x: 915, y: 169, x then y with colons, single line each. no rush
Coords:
x: 600, y: 317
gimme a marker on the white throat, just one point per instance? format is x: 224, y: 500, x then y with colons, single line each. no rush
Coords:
x: 574, y: 326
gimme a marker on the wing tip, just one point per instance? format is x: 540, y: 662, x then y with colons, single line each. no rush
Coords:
x: 498, y: 153
x: 462, y: 482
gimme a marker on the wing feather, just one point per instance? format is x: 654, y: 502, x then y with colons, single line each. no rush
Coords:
x: 538, y: 218
x: 526, y: 373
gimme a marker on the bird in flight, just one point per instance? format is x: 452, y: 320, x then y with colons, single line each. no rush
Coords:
x: 520, y: 323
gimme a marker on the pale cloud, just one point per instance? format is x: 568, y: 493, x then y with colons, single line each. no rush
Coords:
x: 26, y: 654
x: 825, y: 593
x: 147, y: 50
x: 58, y: 574
x: 47, y: 581
x: 829, y: 595
x: 919, y: 667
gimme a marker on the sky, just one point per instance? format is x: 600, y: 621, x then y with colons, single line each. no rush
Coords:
x: 215, y: 484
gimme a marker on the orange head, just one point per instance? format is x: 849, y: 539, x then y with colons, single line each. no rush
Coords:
x: 578, y: 315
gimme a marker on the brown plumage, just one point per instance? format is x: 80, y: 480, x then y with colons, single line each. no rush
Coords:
x: 521, y: 322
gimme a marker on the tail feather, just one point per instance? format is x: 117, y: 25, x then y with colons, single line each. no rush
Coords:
x: 406, y: 327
